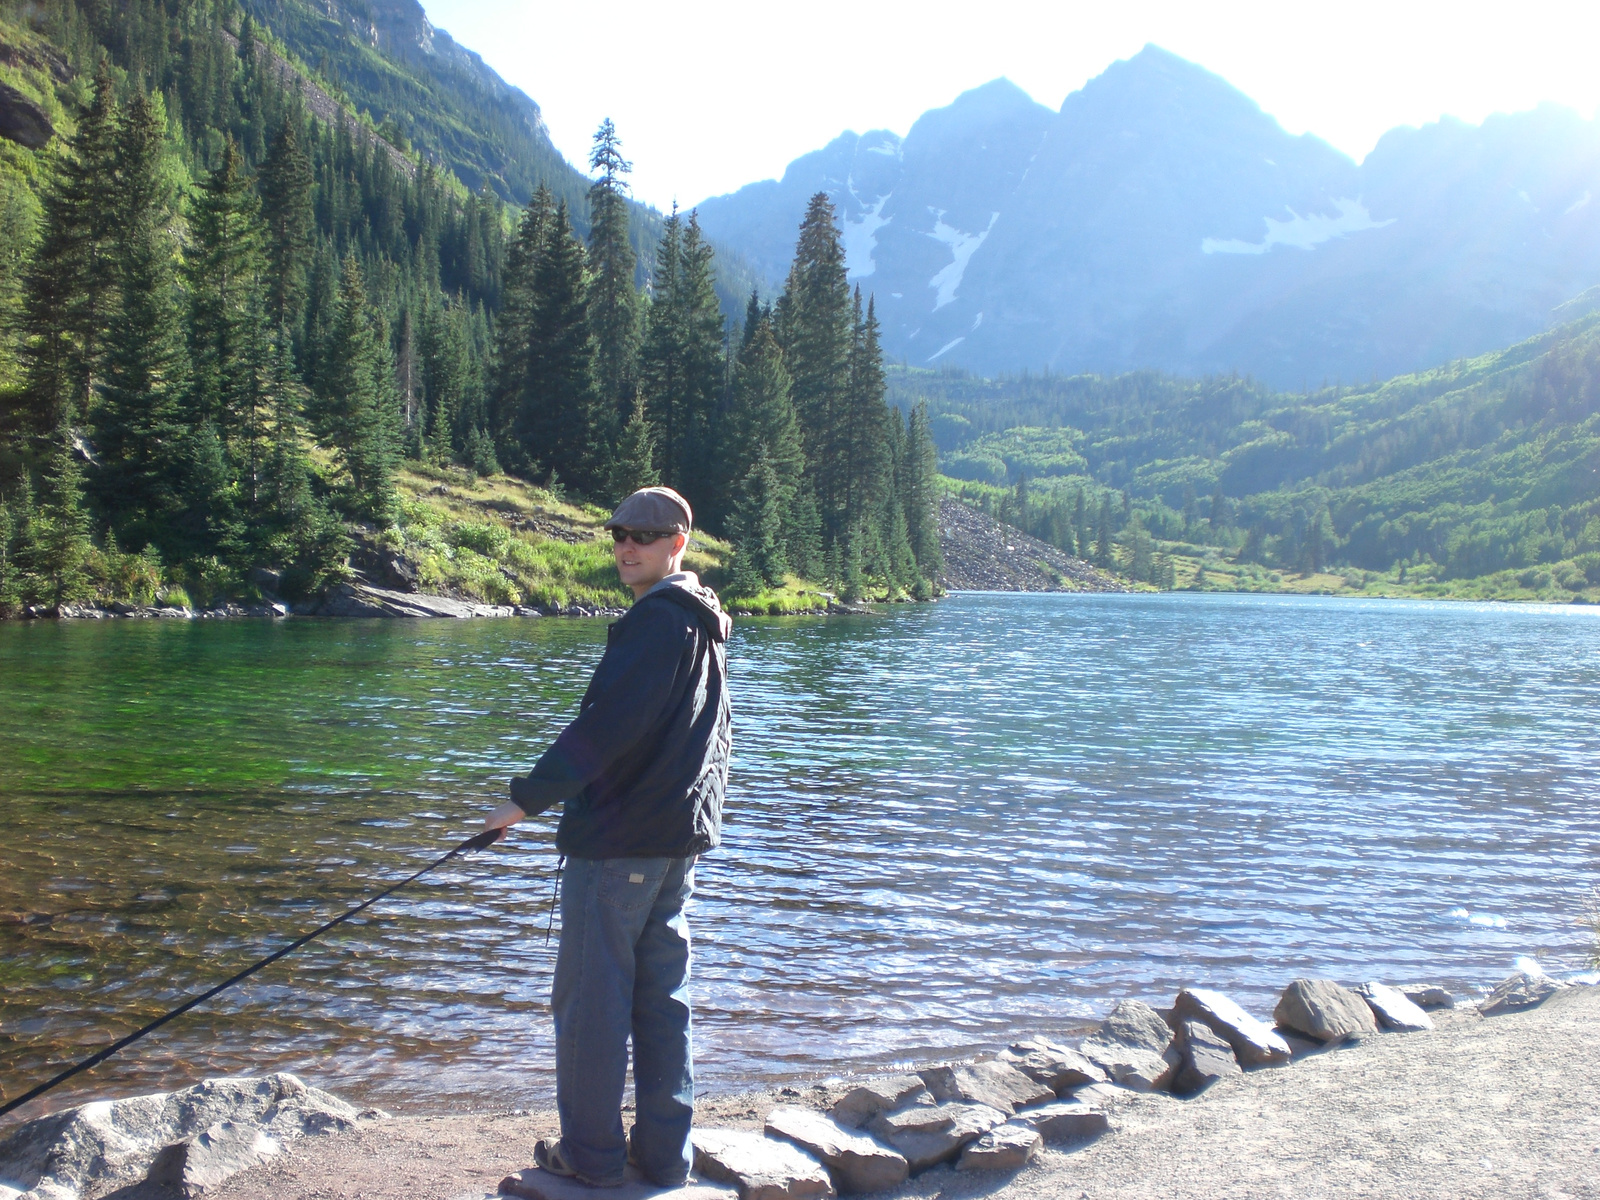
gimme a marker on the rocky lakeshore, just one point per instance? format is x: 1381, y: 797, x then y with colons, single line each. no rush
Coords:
x: 1366, y: 1091
x: 983, y: 555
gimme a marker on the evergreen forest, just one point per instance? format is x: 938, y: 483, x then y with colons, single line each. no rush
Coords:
x: 233, y: 311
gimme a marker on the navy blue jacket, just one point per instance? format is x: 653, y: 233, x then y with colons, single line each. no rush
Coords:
x: 643, y: 768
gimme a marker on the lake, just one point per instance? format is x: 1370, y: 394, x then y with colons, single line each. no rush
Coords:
x: 947, y: 824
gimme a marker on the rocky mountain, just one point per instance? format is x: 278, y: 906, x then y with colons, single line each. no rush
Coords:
x: 1161, y: 219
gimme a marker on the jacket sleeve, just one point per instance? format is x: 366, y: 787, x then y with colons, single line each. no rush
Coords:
x: 631, y: 688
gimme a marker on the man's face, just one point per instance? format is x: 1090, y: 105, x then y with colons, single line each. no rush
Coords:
x: 642, y: 567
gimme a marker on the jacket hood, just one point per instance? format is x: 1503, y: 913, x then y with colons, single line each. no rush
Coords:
x: 686, y: 590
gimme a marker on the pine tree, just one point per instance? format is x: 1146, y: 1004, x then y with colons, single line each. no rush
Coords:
x: 613, y: 299
x: 756, y: 529
x: 761, y: 421
x: 661, y: 358
x: 139, y: 427
x: 866, y: 460
x: 356, y: 408
x: 1102, y: 540
x: 71, y: 286
x: 60, y: 527
x: 224, y: 269
x: 919, y: 493
x: 633, y: 465
x: 286, y: 187
x: 816, y: 332
x: 558, y: 418
x: 514, y: 329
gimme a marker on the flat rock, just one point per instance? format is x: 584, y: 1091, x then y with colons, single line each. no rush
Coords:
x: 1134, y: 1067
x: 1059, y: 1068
x: 1394, y: 1010
x: 1254, y: 1042
x: 1519, y: 992
x: 364, y: 600
x: 537, y: 1184
x: 884, y: 1094
x: 997, y: 1084
x: 858, y: 1163
x: 191, y: 1139
x: 1321, y: 1009
x: 918, y: 1118
x: 1427, y: 996
x: 924, y: 1148
x: 1006, y: 1147
x: 1065, y: 1121
x: 762, y: 1168
x: 1206, y: 1058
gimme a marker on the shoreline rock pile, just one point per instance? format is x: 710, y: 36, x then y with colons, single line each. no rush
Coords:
x: 984, y: 555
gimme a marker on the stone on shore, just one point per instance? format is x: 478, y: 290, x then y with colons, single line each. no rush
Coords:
x: 1519, y: 992
x: 997, y: 1084
x: 1135, y: 1048
x: 537, y: 1184
x: 926, y: 1147
x: 1059, y: 1068
x: 1206, y: 1059
x: 1321, y: 1009
x: 1006, y: 1147
x: 1428, y: 996
x: 1064, y: 1121
x: 858, y: 1163
x: 191, y: 1139
x: 1395, y: 1011
x: 884, y: 1094
x: 918, y: 1118
x: 762, y: 1168
x: 1254, y: 1042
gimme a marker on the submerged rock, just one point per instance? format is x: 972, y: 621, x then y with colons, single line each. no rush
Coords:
x: 1321, y: 1009
x: 193, y: 1138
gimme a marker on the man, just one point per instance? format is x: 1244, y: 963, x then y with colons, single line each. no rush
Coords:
x: 641, y: 771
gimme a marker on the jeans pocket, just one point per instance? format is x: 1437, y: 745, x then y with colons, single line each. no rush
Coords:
x: 627, y: 884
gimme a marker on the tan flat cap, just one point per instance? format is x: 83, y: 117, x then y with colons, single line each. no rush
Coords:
x: 653, y: 508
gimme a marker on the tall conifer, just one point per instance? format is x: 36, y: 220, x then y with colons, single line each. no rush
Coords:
x: 286, y: 184
x: 613, y: 298
x: 356, y: 409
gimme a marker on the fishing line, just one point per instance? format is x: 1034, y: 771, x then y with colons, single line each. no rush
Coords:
x: 487, y: 838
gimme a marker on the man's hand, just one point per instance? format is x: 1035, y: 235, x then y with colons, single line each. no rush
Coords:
x: 508, y: 813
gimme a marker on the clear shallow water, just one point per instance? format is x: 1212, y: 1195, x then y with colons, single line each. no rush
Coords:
x: 947, y: 824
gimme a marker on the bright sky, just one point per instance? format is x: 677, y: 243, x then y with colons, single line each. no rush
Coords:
x: 709, y: 95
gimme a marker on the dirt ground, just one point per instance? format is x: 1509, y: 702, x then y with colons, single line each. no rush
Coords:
x: 1507, y: 1107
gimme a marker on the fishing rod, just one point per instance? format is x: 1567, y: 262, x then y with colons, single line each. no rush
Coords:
x: 487, y: 838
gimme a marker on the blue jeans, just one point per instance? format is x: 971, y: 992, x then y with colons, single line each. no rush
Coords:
x: 623, y: 967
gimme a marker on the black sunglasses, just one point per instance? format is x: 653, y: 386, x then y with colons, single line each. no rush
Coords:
x: 641, y: 537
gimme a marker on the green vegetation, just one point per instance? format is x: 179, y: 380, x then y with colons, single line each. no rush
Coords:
x: 1477, y: 480
x: 239, y: 313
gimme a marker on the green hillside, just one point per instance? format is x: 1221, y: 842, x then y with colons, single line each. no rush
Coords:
x: 1479, y: 478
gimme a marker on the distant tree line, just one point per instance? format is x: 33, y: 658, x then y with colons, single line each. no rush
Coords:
x: 226, y: 324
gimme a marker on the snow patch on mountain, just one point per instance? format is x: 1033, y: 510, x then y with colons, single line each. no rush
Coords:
x: 860, y: 237
x: 1301, y: 232
x: 948, y: 346
x: 962, y: 247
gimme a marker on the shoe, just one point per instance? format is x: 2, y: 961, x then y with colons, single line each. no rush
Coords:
x: 549, y: 1156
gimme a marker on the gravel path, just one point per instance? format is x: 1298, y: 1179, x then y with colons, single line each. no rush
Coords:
x: 1507, y: 1107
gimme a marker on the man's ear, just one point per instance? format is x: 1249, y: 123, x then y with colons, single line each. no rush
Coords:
x: 680, y: 543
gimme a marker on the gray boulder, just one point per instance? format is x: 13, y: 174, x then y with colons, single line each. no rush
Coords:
x: 1321, y: 1009
x: 918, y: 1118
x: 1428, y: 996
x: 762, y: 1168
x: 1134, y: 1047
x: 1059, y: 1068
x: 1206, y: 1058
x: 1006, y: 1147
x: 1065, y: 1121
x: 1395, y: 1011
x: 856, y: 1162
x: 885, y: 1094
x: 997, y: 1084
x: 1254, y: 1042
x: 1519, y: 992
x: 192, y: 1139
x: 927, y: 1146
